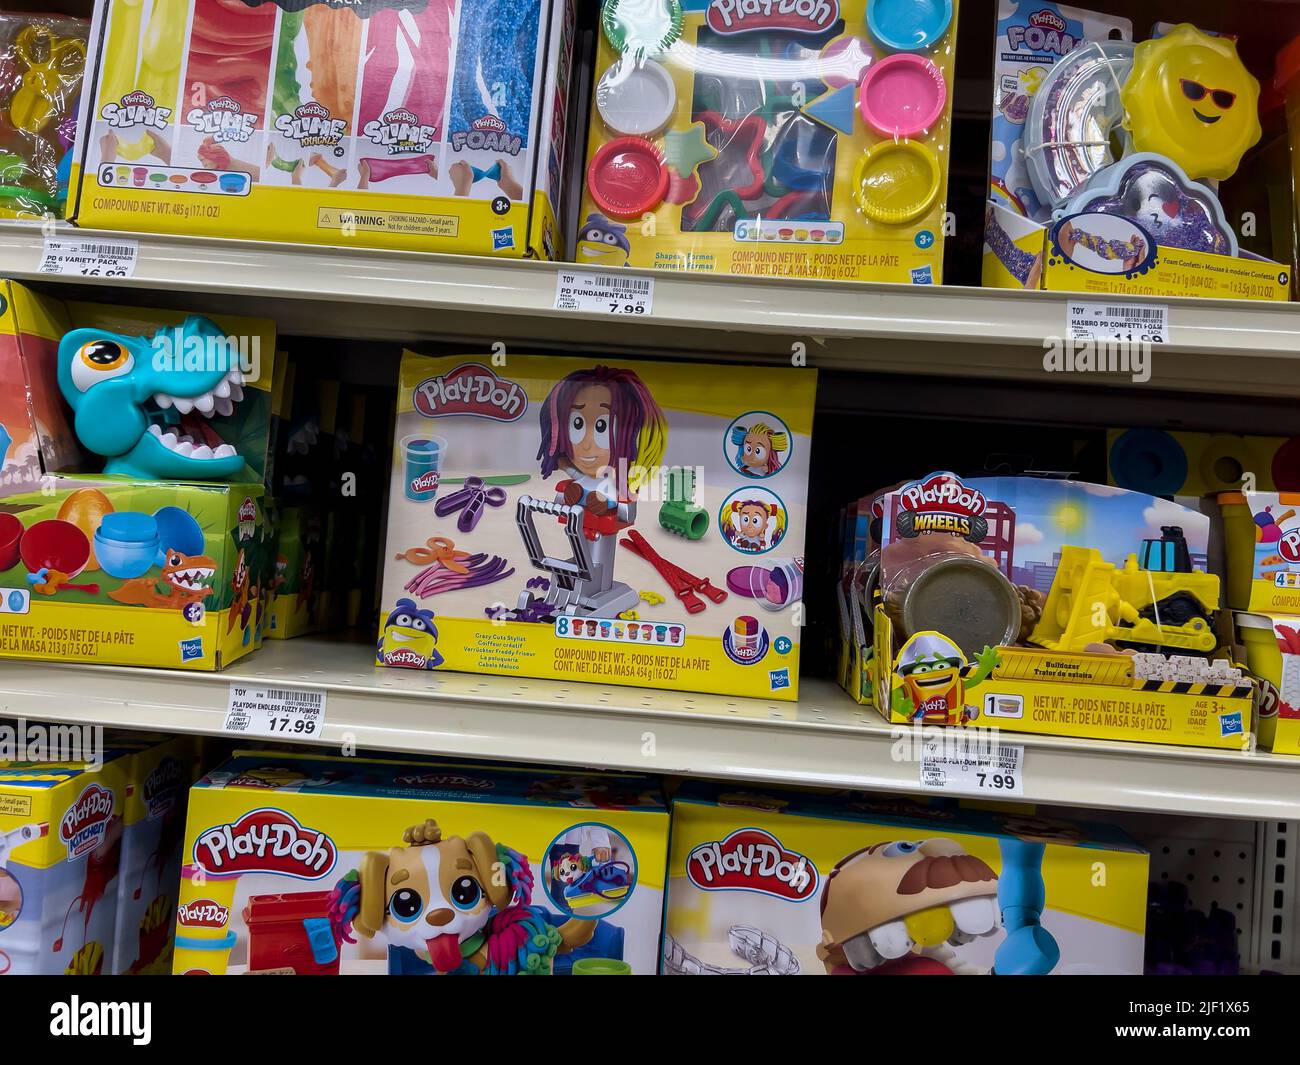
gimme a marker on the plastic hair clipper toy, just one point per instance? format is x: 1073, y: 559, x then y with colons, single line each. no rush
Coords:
x: 148, y: 415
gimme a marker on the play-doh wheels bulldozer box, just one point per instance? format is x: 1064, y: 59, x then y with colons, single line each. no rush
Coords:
x: 161, y: 558
x: 788, y: 884
x: 632, y: 523
x: 429, y: 125
x: 329, y: 866
x: 1041, y: 605
x: 807, y: 138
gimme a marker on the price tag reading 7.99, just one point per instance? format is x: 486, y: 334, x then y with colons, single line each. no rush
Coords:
x: 593, y: 293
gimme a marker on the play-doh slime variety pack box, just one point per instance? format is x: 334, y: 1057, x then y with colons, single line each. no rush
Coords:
x: 432, y: 125
x: 628, y: 522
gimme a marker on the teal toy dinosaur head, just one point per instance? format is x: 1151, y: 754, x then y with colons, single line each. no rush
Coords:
x: 138, y: 405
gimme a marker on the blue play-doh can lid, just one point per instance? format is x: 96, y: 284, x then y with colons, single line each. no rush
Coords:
x: 129, y: 527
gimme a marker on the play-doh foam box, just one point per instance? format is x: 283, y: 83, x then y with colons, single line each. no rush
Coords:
x: 35, y: 430
x: 328, y: 866
x: 159, y: 776
x: 1106, y: 158
x: 1262, y: 534
x: 60, y: 849
x: 804, y: 139
x: 429, y: 125
x: 1272, y: 644
x: 784, y: 884
x: 628, y: 522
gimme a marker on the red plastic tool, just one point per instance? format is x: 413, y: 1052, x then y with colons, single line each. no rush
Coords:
x: 683, y: 584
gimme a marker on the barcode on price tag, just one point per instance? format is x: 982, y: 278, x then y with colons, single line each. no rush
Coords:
x: 90, y: 257
x: 290, y: 713
x: 1141, y: 322
x: 971, y: 766
x: 604, y: 293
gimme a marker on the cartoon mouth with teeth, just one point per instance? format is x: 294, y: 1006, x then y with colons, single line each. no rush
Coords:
x: 893, y: 908
x: 147, y: 416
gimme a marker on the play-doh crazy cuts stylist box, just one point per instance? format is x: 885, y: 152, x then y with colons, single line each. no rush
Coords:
x: 610, y: 521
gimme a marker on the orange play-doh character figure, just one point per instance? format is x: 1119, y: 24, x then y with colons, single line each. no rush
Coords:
x: 1190, y: 99
x: 184, y: 579
x: 753, y: 525
x: 935, y: 677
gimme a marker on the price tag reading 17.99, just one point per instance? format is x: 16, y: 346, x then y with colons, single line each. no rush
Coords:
x: 289, y: 713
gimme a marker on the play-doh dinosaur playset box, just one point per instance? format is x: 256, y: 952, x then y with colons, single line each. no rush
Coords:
x: 1107, y: 157
x: 428, y: 125
x: 784, y: 884
x: 332, y: 865
x: 627, y: 522
x: 60, y: 851
x: 800, y: 139
x: 158, y: 779
x: 1034, y: 604
x: 159, y: 557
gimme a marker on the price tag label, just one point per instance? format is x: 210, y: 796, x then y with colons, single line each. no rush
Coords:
x: 967, y: 766
x: 287, y: 713
x: 616, y: 294
x: 1140, y: 322
x: 90, y: 256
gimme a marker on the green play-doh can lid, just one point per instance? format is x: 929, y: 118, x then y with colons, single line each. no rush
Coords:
x: 642, y: 27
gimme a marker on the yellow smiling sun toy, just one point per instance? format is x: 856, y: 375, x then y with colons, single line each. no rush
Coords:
x: 1190, y: 99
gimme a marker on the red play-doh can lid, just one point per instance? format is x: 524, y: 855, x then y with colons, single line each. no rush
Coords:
x: 627, y: 177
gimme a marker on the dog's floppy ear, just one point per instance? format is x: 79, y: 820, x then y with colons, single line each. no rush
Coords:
x: 373, y: 876
x: 493, y: 873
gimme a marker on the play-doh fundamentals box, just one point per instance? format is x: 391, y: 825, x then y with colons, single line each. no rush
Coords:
x: 1042, y: 605
x: 801, y: 139
x: 627, y: 522
x: 60, y: 849
x: 329, y: 866
x: 433, y: 125
x: 1107, y: 158
x: 784, y: 884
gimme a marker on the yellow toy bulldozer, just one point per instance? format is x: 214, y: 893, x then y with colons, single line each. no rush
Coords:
x: 1161, y: 604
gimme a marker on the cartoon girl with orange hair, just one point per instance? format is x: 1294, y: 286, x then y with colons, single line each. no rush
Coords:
x: 753, y: 525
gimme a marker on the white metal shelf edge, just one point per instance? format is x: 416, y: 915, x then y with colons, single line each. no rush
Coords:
x: 792, y: 307
x: 824, y: 740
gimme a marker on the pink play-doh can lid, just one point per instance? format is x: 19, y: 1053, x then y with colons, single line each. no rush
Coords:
x: 902, y: 95
x: 627, y: 177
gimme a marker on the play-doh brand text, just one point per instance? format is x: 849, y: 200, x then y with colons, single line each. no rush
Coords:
x: 203, y: 913
x: 471, y: 389
x: 1046, y: 32
x: 752, y: 860
x: 742, y: 16
x: 86, y: 822
x: 266, y: 841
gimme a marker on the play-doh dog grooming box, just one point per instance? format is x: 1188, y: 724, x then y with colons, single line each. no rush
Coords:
x: 801, y: 138
x: 627, y: 522
x: 60, y: 849
x: 328, y: 866
x: 428, y: 125
x: 784, y: 884
x: 1107, y: 156
x: 160, y: 559
x: 1039, y: 605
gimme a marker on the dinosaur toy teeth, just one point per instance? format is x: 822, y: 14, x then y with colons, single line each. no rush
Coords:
x: 188, y: 447
x: 220, y: 400
x: 192, y: 580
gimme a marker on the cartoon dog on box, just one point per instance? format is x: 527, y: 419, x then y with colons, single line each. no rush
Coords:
x: 462, y: 905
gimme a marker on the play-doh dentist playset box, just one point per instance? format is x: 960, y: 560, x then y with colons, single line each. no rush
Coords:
x: 801, y: 138
x: 629, y: 522
x: 428, y: 125
x: 784, y: 884
x: 1041, y: 605
x: 1106, y: 158
x: 60, y: 850
x: 159, y: 559
x: 329, y: 866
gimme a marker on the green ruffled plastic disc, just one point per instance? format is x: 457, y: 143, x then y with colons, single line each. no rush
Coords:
x: 642, y: 27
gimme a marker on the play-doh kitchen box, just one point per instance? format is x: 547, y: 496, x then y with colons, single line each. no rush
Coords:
x: 428, y: 125
x: 143, y: 561
x: 611, y: 521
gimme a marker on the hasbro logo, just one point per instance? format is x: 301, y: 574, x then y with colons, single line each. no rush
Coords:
x: 922, y: 275
x: 1230, y: 724
x: 503, y: 239
x: 779, y: 678
x: 191, y: 649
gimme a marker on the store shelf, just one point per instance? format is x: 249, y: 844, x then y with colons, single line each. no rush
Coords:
x: 824, y: 740
x: 1220, y: 346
